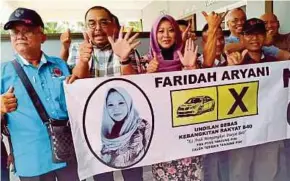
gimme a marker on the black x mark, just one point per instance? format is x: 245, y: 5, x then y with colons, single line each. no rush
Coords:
x: 239, y: 101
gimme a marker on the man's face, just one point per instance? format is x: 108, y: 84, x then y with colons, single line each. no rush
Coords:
x: 253, y: 41
x: 99, y: 26
x: 271, y: 23
x: 26, y: 39
x: 236, y: 20
x: 220, y: 44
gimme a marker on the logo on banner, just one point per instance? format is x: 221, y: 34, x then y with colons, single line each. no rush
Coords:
x: 200, y: 105
x: 237, y: 100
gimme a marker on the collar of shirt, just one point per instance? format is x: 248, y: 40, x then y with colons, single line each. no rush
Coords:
x: 216, y: 61
x: 43, y: 60
x: 234, y: 37
x: 248, y: 59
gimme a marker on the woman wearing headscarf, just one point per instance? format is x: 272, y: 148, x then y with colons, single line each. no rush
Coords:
x: 165, y: 55
x: 125, y: 135
x: 166, y: 47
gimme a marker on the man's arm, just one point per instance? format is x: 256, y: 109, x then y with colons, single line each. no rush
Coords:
x: 64, y: 53
x: 234, y: 47
x: 65, y: 39
x: 209, y: 53
x: 128, y: 69
x: 283, y: 55
x: 81, y: 70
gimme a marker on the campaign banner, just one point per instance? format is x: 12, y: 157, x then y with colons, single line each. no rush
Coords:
x: 137, y: 120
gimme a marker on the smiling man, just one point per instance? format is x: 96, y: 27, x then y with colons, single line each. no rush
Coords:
x: 235, y: 20
x: 272, y: 24
x: 253, y: 38
x: 29, y: 136
x: 260, y: 162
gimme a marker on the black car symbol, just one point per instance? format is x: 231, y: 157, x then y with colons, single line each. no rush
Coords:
x: 196, y: 106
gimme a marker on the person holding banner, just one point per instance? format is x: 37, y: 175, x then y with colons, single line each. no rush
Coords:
x: 164, y: 56
x: 215, y: 165
x: 262, y: 162
x: 125, y: 136
x: 32, y: 148
x: 99, y: 55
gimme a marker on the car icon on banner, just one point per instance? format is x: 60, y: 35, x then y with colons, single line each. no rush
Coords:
x: 196, y: 106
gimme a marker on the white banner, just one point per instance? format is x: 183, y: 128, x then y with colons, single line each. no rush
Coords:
x: 139, y: 120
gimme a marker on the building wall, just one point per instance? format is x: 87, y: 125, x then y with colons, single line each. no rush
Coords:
x: 281, y: 9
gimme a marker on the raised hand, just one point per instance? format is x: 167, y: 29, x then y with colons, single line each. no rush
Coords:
x: 8, y: 101
x: 189, y: 58
x: 65, y: 39
x: 269, y: 38
x: 153, y: 64
x: 86, y: 49
x: 123, y: 46
x: 236, y: 58
x: 213, y: 19
x: 185, y: 34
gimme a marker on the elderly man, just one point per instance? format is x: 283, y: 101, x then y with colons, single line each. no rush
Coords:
x: 262, y: 162
x: 235, y: 20
x: 30, y: 139
x: 272, y: 23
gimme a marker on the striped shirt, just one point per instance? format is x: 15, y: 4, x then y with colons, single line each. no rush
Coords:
x: 103, y: 63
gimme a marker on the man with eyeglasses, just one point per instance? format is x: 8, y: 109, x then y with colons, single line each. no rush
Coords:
x: 99, y: 55
x: 262, y: 162
x: 29, y: 136
x: 272, y: 23
x: 102, y: 53
x: 235, y: 20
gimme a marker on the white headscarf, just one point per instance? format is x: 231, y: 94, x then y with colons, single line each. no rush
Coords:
x: 130, y: 125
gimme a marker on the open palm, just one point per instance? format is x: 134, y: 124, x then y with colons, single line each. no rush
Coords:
x: 122, y: 47
x: 190, y: 54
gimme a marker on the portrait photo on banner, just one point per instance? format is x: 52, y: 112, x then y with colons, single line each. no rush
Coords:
x: 118, y: 123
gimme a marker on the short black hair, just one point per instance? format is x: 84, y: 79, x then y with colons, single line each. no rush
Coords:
x: 99, y: 8
x: 182, y: 22
x: 205, y: 28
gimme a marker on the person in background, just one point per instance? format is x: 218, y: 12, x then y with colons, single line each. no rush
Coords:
x: 282, y: 41
x: 235, y: 20
x: 215, y: 165
x: 213, y: 42
x: 29, y: 136
x: 99, y: 55
x: 185, y: 29
x: 261, y: 162
x: 165, y: 56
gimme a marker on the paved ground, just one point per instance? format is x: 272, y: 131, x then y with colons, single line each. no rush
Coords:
x: 147, y: 175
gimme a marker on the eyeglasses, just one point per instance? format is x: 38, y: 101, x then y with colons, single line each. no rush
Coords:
x: 257, y: 35
x: 102, y: 23
x: 27, y: 33
x: 235, y: 21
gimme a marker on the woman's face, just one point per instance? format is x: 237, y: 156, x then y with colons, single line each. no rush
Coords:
x: 165, y: 34
x: 117, y: 106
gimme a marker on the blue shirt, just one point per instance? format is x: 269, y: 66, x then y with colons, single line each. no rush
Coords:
x: 268, y: 50
x: 29, y: 136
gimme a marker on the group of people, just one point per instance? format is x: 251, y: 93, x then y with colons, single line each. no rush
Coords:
x: 107, y: 52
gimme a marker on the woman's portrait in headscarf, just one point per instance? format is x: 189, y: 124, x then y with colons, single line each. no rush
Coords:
x: 124, y: 135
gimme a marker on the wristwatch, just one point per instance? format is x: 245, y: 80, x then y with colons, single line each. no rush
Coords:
x: 126, y: 62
